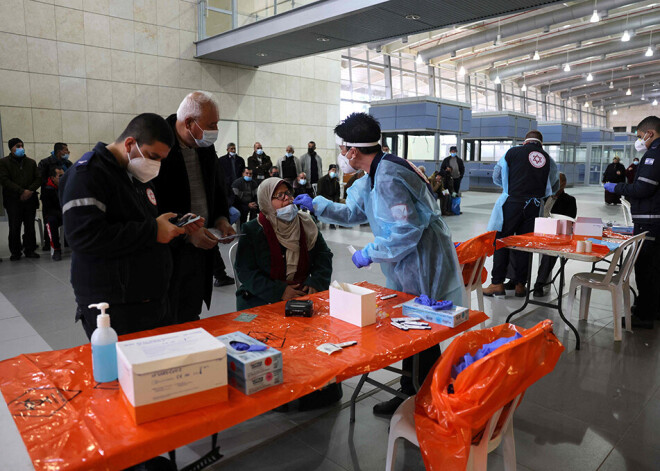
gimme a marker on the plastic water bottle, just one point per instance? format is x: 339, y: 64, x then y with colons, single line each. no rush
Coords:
x: 104, y: 347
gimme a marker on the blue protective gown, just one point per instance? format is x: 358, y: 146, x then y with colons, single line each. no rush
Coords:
x: 501, y: 179
x: 412, y: 243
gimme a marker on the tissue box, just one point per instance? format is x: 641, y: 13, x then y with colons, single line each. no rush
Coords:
x: 172, y: 373
x: 546, y: 226
x: 253, y: 385
x: 356, y: 306
x: 588, y: 227
x: 449, y: 317
x: 250, y: 364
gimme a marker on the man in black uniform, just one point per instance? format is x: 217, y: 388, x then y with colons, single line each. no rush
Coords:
x: 644, y: 200
x: 259, y: 163
x: 192, y: 180
x: 119, y: 243
x: 232, y: 166
x: 58, y: 158
x: 530, y: 172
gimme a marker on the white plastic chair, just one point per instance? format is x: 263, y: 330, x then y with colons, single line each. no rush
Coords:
x: 402, y: 425
x: 617, y: 283
x: 627, y: 215
x: 232, y: 259
x: 475, y: 284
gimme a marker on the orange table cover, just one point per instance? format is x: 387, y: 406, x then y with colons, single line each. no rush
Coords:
x: 67, y: 421
x: 558, y: 243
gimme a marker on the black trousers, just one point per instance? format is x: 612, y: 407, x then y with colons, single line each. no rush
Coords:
x: 128, y: 318
x: 186, y: 293
x: 647, y: 274
x: 544, y: 275
x: 427, y: 359
x: 245, y: 211
x: 518, y: 219
x: 219, y: 268
x: 53, y: 224
x: 21, y: 213
x: 457, y: 184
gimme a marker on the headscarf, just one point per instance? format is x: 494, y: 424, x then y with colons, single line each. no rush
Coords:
x: 288, y: 233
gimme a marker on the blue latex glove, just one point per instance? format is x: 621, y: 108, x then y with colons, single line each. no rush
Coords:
x: 360, y: 260
x: 609, y: 187
x: 304, y: 201
x: 436, y: 305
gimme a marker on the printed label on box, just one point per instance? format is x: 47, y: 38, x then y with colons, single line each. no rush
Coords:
x: 449, y: 317
x: 259, y: 383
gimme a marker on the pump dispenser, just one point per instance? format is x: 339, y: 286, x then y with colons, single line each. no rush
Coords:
x: 104, y: 350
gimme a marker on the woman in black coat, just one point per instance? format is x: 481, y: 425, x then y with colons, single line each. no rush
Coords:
x: 614, y: 173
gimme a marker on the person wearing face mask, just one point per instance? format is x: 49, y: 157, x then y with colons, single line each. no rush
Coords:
x: 274, y: 172
x: 58, y: 158
x: 302, y: 186
x: 192, y: 180
x: 20, y: 180
x: 411, y: 242
x: 52, y: 212
x: 614, y: 173
x: 644, y: 200
x: 259, y: 163
x: 289, y: 166
x: 119, y: 242
x: 232, y: 165
x: 311, y: 163
x: 245, y: 191
x: 631, y: 170
x: 329, y: 187
x: 453, y: 166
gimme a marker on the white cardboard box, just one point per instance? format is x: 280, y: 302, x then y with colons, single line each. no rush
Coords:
x: 566, y: 223
x: 546, y: 226
x: 172, y: 373
x: 356, y: 306
x: 589, y: 227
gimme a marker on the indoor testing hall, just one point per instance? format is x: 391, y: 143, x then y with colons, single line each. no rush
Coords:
x: 329, y: 235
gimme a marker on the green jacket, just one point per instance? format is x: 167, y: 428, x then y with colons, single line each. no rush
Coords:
x: 252, y: 266
x: 17, y: 175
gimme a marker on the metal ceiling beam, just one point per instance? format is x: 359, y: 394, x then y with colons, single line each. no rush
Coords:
x: 523, y: 26
x: 636, y: 90
x: 641, y: 40
x: 621, y: 84
x: 630, y: 101
x: 601, y: 76
x: 590, y: 31
x: 634, y: 57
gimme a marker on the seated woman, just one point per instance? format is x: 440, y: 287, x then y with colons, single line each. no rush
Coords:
x: 282, y: 254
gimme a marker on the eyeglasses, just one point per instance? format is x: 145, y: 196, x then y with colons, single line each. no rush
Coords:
x: 282, y: 196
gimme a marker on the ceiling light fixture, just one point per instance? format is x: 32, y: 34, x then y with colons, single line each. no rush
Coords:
x: 612, y: 80
x: 615, y: 112
x: 628, y: 92
x: 586, y: 104
x: 590, y: 77
x: 595, y: 18
x: 626, y: 34
x: 261, y: 54
x: 419, y: 59
x: 413, y: 17
x: 497, y: 80
x: 567, y: 66
x: 643, y: 90
x: 655, y: 102
x: 649, y: 51
x: 461, y: 71
x: 498, y: 39
x: 524, y: 87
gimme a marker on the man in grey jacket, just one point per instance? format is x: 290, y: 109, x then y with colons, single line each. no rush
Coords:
x: 311, y: 163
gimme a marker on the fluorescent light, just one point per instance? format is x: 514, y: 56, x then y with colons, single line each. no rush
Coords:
x: 567, y: 67
x: 461, y: 71
x: 649, y: 52
x: 611, y: 84
x: 497, y: 80
x: 626, y: 36
x: 523, y: 88
x: 595, y: 18
x: 590, y: 77
x: 419, y: 59
x: 628, y: 92
x: 655, y: 103
x: 586, y: 104
x: 615, y: 112
x: 536, y: 57
x: 498, y: 40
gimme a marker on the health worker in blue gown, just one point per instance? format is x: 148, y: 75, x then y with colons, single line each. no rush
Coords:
x: 411, y: 243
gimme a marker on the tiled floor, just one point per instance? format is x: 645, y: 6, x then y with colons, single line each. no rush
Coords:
x: 599, y: 409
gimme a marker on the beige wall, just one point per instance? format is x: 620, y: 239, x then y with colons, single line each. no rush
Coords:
x: 78, y: 70
x: 631, y: 116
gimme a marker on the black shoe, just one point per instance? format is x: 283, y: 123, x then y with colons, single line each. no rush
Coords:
x: 638, y: 323
x: 223, y: 281
x: 45, y: 248
x: 32, y: 255
x: 510, y: 285
x: 521, y: 291
x: 15, y: 257
x: 538, y: 292
x: 388, y: 408
x: 332, y: 226
x: 57, y: 255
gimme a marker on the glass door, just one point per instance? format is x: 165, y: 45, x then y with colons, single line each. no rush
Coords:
x: 595, y: 160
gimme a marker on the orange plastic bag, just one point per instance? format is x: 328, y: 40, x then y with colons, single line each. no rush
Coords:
x: 446, y: 423
x: 472, y: 250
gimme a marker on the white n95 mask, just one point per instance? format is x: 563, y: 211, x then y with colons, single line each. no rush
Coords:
x: 209, y: 136
x: 143, y: 169
x: 640, y: 145
x: 344, y: 164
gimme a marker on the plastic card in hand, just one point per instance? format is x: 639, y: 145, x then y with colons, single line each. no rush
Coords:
x: 256, y: 384
x: 218, y: 235
x: 172, y: 373
x: 353, y: 304
x: 450, y: 317
x: 245, y: 364
x: 588, y: 227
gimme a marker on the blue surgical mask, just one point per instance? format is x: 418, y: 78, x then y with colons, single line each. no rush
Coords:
x: 453, y: 154
x: 287, y: 213
x: 289, y: 154
x: 303, y: 181
x: 232, y: 154
x: 247, y: 179
x: 260, y: 151
x: 635, y: 162
x: 333, y: 175
x: 20, y: 152
x: 65, y: 156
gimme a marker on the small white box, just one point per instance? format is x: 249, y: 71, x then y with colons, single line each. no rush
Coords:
x: 589, y: 227
x: 172, y: 373
x: 355, y: 305
x: 546, y: 226
x: 566, y: 223
x: 250, y: 364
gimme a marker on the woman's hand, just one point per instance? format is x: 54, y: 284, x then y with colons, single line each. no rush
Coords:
x: 292, y: 291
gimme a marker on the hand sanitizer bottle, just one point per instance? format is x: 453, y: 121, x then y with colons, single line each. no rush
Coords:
x: 104, y: 350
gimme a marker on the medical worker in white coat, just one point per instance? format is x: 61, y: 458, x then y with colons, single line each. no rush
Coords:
x: 412, y: 243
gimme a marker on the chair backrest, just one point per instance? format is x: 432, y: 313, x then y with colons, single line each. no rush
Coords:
x: 232, y: 260
x: 627, y: 215
x: 629, y: 250
x: 475, y: 275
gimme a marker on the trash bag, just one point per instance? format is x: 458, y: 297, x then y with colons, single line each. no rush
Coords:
x: 447, y: 418
x: 456, y: 205
x: 472, y: 250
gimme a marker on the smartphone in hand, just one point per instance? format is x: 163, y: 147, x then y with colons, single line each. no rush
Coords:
x: 185, y: 219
